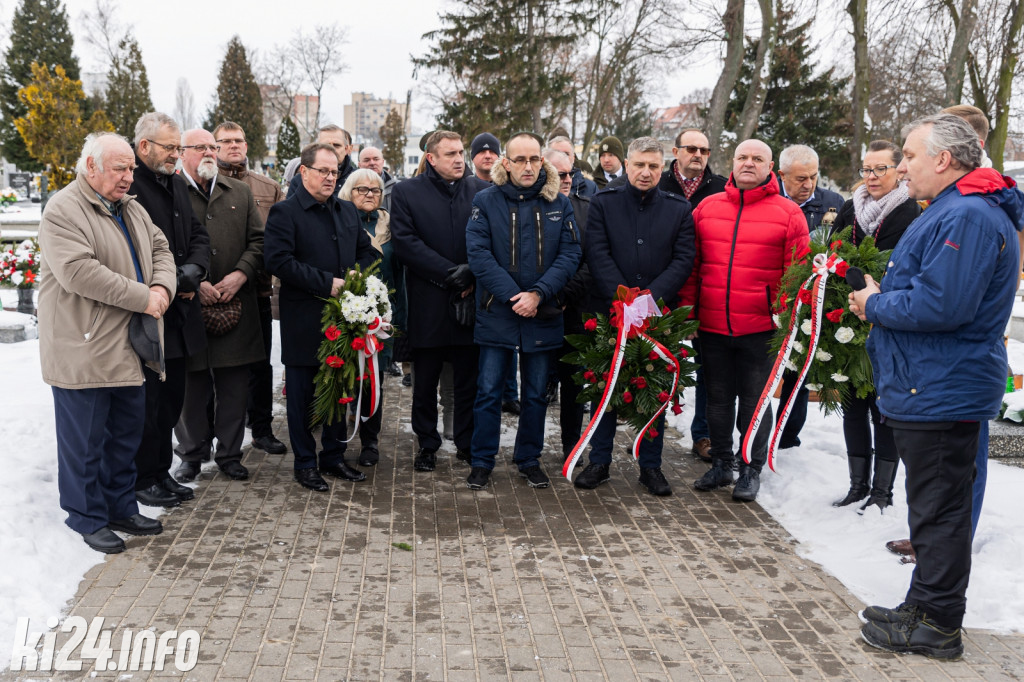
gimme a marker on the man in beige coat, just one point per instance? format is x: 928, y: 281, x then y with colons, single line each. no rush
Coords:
x: 103, y: 260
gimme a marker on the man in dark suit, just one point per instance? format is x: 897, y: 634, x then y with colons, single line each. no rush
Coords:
x: 311, y: 241
x: 164, y: 195
x: 429, y: 214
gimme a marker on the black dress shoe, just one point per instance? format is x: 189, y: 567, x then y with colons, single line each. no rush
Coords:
x: 156, y: 496
x: 104, y: 540
x: 369, y: 456
x: 343, y: 471
x: 407, y: 381
x: 270, y: 444
x: 426, y: 460
x: 234, y: 470
x: 137, y: 524
x: 464, y: 455
x: 511, y: 407
x: 309, y: 478
x: 182, y: 492
x: 187, y: 471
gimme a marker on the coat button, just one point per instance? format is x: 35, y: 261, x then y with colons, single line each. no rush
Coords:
x: 913, y: 390
x: 639, y: 241
x: 639, y: 277
x: 209, y: 217
x: 181, y: 254
x: 891, y: 264
x: 213, y: 252
x: 175, y: 214
x: 334, y: 237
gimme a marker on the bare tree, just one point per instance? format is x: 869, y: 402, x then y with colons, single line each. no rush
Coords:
x: 318, y: 56
x: 279, y: 69
x: 858, y: 11
x: 761, y: 71
x: 184, y: 105
x: 103, y: 31
x: 732, y: 25
x: 964, y: 20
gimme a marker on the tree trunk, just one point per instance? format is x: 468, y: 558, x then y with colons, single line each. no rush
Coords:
x: 1001, y: 106
x: 761, y: 72
x: 732, y: 21
x: 956, y: 64
x: 858, y: 11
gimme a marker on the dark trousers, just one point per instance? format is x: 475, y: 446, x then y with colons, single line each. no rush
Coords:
x: 699, y: 425
x: 228, y: 387
x: 859, y: 416
x: 261, y: 378
x: 298, y: 401
x: 735, y: 370
x: 428, y: 362
x: 603, y: 440
x: 798, y: 415
x: 940, y: 475
x: 570, y: 417
x: 98, y: 434
x: 369, y: 430
x: 163, y: 407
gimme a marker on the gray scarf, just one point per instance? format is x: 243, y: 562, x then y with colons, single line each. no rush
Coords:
x: 871, y: 212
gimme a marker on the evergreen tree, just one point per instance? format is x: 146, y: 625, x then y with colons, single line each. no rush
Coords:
x: 392, y: 133
x: 288, y: 146
x: 239, y: 100
x: 40, y: 34
x: 127, y: 88
x: 499, y: 55
x: 799, y: 107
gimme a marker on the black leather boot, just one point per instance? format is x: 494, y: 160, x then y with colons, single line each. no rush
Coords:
x: 881, y: 486
x: 860, y: 471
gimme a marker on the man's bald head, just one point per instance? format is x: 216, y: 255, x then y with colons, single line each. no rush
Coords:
x: 751, y: 164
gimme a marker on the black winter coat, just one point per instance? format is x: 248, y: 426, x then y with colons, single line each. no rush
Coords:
x: 817, y: 206
x: 428, y: 227
x: 709, y: 184
x: 306, y: 245
x: 638, y: 240
x: 171, y: 209
x: 889, y: 231
x: 345, y: 169
x: 575, y: 295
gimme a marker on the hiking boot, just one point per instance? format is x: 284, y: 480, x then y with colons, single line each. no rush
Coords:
x: 718, y: 476
x: 914, y: 634
x: 652, y: 479
x: 881, y: 614
x: 702, y: 450
x: 478, y: 477
x: 426, y: 460
x: 747, y: 485
x: 535, y: 477
x: 593, y: 476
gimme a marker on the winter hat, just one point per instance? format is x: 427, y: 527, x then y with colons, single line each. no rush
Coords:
x: 484, y: 141
x: 612, y: 145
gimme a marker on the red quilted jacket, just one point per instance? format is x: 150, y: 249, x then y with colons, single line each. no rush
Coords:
x: 745, y: 241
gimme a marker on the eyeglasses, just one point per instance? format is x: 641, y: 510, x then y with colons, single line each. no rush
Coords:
x: 235, y: 140
x: 375, y: 191
x: 324, y: 172
x: 691, y: 149
x: 562, y: 175
x: 877, y: 171
x: 167, y: 147
x: 522, y: 160
x: 203, y: 148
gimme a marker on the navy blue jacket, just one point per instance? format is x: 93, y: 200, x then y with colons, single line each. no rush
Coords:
x: 709, y: 184
x: 936, y: 346
x: 306, y: 245
x: 521, y: 239
x: 644, y: 241
x: 428, y: 228
x: 581, y: 186
x: 818, y: 205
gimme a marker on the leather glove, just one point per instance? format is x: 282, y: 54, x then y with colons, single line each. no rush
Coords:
x: 189, y: 277
x: 464, y: 309
x: 459, y: 278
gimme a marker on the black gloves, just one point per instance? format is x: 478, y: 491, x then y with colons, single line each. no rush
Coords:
x: 463, y: 309
x: 459, y: 278
x: 189, y: 277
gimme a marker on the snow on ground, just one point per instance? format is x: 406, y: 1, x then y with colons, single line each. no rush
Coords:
x: 21, y: 213
x: 42, y: 561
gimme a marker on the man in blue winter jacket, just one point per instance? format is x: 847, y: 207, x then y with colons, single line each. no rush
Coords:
x: 523, y: 247
x: 940, y: 365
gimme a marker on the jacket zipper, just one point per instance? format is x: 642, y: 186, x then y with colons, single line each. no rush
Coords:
x: 513, y: 256
x: 732, y: 254
x: 540, y: 239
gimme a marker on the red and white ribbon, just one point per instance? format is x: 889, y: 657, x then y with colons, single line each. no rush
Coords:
x: 823, y: 265
x: 369, y: 368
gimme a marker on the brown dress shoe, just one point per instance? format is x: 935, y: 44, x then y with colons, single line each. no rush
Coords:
x: 901, y: 547
x: 702, y: 449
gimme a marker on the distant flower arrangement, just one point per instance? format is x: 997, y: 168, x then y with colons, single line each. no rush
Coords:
x: 7, y: 197
x: 19, y: 265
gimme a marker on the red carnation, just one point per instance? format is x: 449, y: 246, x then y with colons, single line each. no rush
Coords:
x: 683, y: 353
x: 804, y: 296
x: 670, y: 367
x: 627, y: 397
x: 589, y: 376
x: 607, y: 375
x: 663, y: 397
x: 835, y: 245
x: 591, y: 324
x: 835, y: 315
x: 334, y: 361
x: 783, y: 300
x: 345, y: 400
x: 639, y: 382
x: 359, y: 343
x: 653, y: 432
x: 665, y: 310
x: 841, y: 268
x: 332, y: 333
x: 677, y: 409
x: 653, y: 355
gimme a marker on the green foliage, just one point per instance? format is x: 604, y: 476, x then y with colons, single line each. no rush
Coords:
x: 392, y: 135
x: 799, y: 107
x: 834, y: 358
x: 127, y: 88
x: 645, y: 380
x: 239, y: 100
x: 496, y: 61
x: 287, y: 141
x: 39, y: 34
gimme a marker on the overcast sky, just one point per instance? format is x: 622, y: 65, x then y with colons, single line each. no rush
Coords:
x: 187, y: 38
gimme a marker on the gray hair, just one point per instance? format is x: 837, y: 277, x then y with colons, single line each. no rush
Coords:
x: 952, y: 134
x: 95, y: 148
x: 560, y: 138
x: 555, y: 155
x: 797, y: 153
x: 357, y: 176
x: 642, y: 145
x: 150, y: 124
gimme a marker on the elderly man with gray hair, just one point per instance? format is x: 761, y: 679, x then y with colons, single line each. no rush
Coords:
x: 939, y: 363
x: 798, y: 180
x: 104, y: 262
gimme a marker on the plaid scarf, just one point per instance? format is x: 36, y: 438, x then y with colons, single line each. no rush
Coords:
x: 689, y: 186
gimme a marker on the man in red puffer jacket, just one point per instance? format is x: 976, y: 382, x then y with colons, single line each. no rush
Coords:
x: 746, y: 238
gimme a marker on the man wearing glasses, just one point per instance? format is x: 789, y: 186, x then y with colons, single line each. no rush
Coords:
x: 164, y: 195
x: 798, y: 175
x: 340, y: 140
x: 311, y: 242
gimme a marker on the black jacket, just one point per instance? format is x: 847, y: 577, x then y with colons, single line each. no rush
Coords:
x: 170, y: 208
x: 345, y: 169
x: 644, y: 241
x: 428, y: 227
x: 575, y: 295
x: 817, y: 206
x: 709, y: 184
x: 889, y: 232
x: 306, y: 245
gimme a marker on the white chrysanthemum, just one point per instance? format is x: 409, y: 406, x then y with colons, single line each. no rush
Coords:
x: 844, y: 335
x: 813, y: 387
x: 790, y: 366
x: 776, y: 320
x: 798, y: 347
x: 17, y: 278
x: 823, y: 355
x: 806, y: 327
x: 840, y: 378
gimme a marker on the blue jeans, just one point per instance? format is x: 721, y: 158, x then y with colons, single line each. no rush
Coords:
x: 603, y: 440
x: 511, y: 386
x: 493, y: 369
x: 699, y: 425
